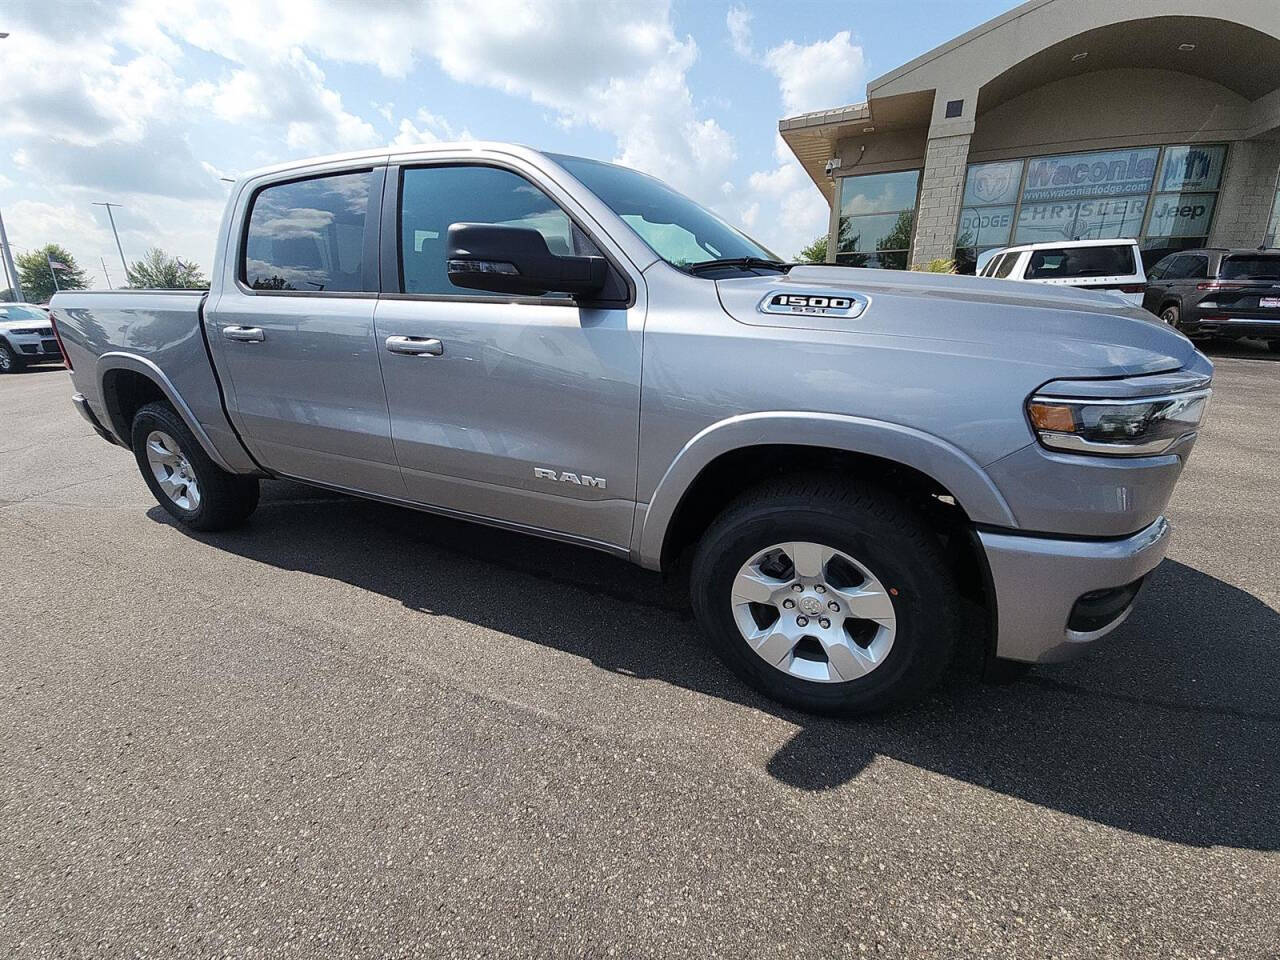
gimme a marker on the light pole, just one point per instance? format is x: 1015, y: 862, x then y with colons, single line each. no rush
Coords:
x: 15, y: 284
x: 103, y: 261
x: 117, y: 235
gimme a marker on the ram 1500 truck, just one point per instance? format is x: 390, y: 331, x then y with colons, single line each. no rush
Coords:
x: 840, y: 460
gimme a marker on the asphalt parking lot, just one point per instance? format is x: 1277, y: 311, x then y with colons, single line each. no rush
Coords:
x: 354, y: 730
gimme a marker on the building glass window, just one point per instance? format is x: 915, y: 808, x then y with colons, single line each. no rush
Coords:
x: 877, y: 212
x: 988, y: 209
x: 1163, y: 196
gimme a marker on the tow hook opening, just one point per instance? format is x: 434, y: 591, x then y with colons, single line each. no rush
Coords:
x: 1098, y: 609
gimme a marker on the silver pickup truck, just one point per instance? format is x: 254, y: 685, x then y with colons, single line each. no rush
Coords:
x: 841, y: 461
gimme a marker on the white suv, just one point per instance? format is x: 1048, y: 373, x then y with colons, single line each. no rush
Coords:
x: 26, y: 336
x: 1111, y: 265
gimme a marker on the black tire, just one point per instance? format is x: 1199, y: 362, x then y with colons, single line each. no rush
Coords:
x: 10, y: 361
x: 226, y: 499
x: 1171, y: 314
x: 1273, y: 346
x: 884, y: 534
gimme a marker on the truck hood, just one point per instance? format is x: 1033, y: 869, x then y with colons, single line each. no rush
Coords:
x: 1095, y: 334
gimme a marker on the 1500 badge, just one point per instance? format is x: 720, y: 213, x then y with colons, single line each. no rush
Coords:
x: 847, y: 305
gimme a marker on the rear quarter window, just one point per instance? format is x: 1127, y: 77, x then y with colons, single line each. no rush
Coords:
x: 1081, y: 263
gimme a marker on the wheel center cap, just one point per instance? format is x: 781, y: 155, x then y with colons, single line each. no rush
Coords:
x: 810, y: 606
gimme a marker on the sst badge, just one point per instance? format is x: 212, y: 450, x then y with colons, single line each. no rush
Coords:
x: 847, y: 305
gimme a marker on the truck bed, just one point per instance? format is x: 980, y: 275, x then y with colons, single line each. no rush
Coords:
x: 112, y: 337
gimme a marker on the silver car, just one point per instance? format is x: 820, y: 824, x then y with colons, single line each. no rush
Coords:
x: 840, y: 461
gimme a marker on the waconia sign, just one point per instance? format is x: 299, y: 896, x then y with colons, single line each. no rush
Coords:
x: 1076, y: 176
x: 1136, y: 192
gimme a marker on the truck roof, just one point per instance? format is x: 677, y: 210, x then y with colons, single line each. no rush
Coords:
x: 381, y: 154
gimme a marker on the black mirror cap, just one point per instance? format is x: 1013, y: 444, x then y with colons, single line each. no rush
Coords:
x: 516, y: 260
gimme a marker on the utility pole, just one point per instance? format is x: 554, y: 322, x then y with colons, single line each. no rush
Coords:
x: 103, y: 261
x: 15, y: 284
x: 117, y: 235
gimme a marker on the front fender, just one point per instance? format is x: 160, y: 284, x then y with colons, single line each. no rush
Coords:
x: 947, y: 464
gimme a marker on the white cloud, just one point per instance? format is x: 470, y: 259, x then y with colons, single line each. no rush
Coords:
x: 798, y: 209
x: 628, y: 76
x: 427, y: 127
x: 286, y: 92
x: 829, y: 73
x: 738, y: 20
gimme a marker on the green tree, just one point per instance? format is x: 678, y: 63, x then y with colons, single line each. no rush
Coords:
x: 158, y: 270
x: 815, y: 252
x: 37, y: 277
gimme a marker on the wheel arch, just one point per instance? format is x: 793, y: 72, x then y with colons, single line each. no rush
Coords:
x: 732, y: 454
x: 127, y: 381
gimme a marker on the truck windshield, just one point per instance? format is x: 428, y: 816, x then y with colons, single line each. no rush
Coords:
x: 678, y: 230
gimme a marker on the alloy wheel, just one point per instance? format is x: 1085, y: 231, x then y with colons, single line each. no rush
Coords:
x: 172, y: 470
x: 813, y: 612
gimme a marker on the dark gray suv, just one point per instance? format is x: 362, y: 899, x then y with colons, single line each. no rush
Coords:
x: 1218, y: 293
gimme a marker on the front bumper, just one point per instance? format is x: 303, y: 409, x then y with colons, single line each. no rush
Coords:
x: 1038, y: 581
x: 34, y: 348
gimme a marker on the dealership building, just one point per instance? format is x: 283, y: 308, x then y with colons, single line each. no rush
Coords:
x: 1060, y: 120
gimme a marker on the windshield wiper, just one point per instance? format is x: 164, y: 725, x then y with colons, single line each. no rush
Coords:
x: 745, y: 263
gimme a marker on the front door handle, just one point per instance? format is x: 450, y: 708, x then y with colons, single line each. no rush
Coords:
x: 244, y: 334
x: 415, y: 346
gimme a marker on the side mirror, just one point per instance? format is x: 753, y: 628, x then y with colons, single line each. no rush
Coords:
x: 484, y: 256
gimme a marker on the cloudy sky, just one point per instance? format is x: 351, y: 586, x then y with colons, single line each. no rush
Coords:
x: 148, y: 103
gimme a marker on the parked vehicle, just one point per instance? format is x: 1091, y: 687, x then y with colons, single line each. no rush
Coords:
x: 26, y: 337
x: 1101, y: 265
x: 1218, y: 293
x: 847, y: 459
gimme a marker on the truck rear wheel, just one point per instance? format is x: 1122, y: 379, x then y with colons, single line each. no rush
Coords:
x: 827, y: 596
x: 190, y: 486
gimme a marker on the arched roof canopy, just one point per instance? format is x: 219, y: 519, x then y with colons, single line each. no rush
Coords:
x: 1236, y: 56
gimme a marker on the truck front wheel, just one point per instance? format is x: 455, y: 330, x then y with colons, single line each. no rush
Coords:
x: 190, y: 486
x: 827, y: 596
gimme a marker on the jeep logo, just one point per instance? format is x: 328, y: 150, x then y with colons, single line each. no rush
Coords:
x: 814, y: 304
x: 581, y: 479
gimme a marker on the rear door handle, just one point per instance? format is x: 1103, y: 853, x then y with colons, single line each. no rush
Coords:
x: 244, y: 334
x: 415, y: 346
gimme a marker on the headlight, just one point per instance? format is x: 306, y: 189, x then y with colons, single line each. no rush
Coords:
x: 1139, y: 427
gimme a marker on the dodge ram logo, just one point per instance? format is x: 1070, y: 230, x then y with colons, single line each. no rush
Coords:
x: 848, y: 305
x: 564, y: 476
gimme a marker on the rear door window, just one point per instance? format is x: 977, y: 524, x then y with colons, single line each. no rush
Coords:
x: 1081, y: 263
x: 308, y: 235
x: 1250, y: 268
